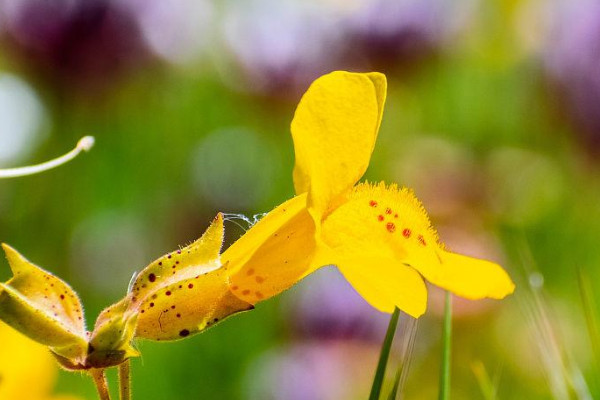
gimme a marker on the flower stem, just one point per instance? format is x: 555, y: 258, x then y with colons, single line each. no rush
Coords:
x: 101, y: 384
x: 446, y: 350
x: 125, y: 381
x: 384, y: 355
x: 84, y: 144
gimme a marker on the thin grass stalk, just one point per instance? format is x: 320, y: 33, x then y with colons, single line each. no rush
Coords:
x: 444, y: 393
x: 408, y: 344
x: 384, y: 356
x: 125, y: 380
x: 589, y: 309
x: 101, y: 383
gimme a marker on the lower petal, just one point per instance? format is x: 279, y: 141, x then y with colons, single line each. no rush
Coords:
x: 385, y: 283
x: 274, y: 254
x: 472, y: 278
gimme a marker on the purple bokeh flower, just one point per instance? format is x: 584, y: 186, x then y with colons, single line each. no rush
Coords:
x: 72, y: 42
x: 573, y: 61
x: 328, y: 307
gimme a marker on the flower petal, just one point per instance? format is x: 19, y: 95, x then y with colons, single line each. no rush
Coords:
x: 379, y: 219
x: 472, y: 278
x: 334, y: 130
x: 274, y: 254
x: 383, y: 281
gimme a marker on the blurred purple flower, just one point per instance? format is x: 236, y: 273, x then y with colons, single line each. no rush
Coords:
x: 72, y: 41
x: 310, y: 371
x: 281, y: 46
x: 573, y: 61
x: 327, y: 307
x: 390, y: 32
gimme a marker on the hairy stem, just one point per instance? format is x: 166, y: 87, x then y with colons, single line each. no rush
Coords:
x: 101, y: 384
x: 125, y: 381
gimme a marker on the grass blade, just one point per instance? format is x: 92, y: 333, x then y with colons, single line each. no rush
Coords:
x: 408, y: 343
x: 589, y: 309
x: 446, y: 350
x: 384, y: 355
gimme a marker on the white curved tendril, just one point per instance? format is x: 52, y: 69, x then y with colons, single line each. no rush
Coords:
x: 84, y: 144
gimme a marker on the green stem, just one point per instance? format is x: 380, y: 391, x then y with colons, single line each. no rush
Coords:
x: 101, y: 384
x: 125, y: 381
x: 446, y: 350
x: 384, y: 355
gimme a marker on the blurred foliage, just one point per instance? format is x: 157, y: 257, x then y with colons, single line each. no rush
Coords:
x: 178, y: 142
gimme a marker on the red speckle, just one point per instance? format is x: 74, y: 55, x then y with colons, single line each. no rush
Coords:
x: 250, y: 272
x: 191, y: 285
x: 234, y: 287
x: 178, y: 251
x: 259, y: 295
x: 62, y: 296
x: 373, y: 203
x: 246, y: 292
x: 259, y: 279
x: 406, y: 233
x: 168, y: 293
x: 151, y: 304
x: 151, y: 277
x: 388, y: 210
x: 380, y: 218
x: 160, y: 263
x: 143, y: 311
x: 390, y: 227
x: 395, y: 215
x: 184, y: 333
x: 422, y: 240
x: 173, y: 307
x: 178, y: 315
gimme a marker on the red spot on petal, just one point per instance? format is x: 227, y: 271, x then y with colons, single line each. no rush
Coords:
x: 151, y: 277
x: 191, y: 285
x: 260, y: 279
x: 234, y: 287
x: 422, y: 240
x: 151, y: 304
x: 395, y: 215
x: 62, y: 296
x: 184, y: 333
x: 388, y: 210
x: 168, y: 293
x: 259, y: 295
x: 380, y: 218
x: 406, y: 233
x: 373, y: 203
x: 390, y: 227
x: 250, y: 272
x: 178, y: 315
x: 246, y: 292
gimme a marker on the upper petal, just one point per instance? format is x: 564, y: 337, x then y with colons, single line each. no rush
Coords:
x: 334, y: 130
x: 274, y: 254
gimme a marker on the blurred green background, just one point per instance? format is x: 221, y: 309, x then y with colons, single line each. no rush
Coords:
x: 493, y: 117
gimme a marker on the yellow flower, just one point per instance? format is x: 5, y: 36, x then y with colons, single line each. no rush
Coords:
x: 27, y: 369
x: 379, y: 236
